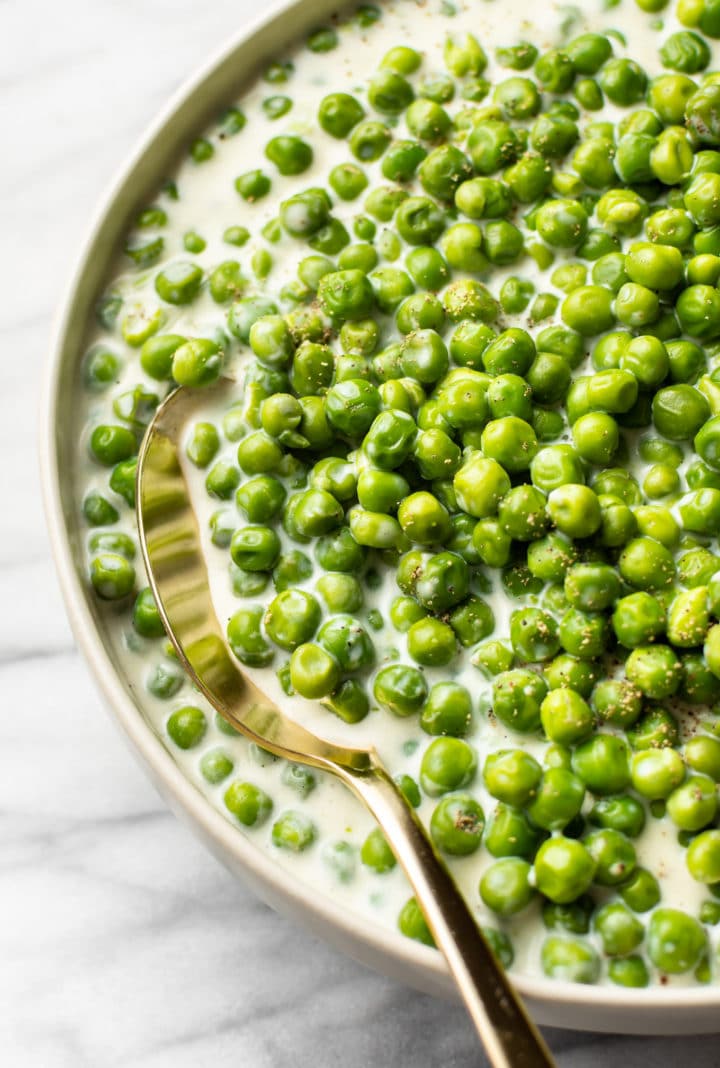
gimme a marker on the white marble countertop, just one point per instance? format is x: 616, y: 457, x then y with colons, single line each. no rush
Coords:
x: 124, y: 944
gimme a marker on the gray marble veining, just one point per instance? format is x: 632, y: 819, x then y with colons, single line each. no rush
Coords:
x: 123, y: 943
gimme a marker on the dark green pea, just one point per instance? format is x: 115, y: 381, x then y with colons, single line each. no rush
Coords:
x: 349, y: 702
x: 517, y: 696
x: 248, y: 803
x: 622, y: 813
x: 146, y: 618
x: 558, y: 800
x: 98, y: 511
x: 701, y: 114
x: 338, y: 551
x: 592, y: 587
x: 110, y: 445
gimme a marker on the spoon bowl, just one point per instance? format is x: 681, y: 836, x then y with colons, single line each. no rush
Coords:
x: 178, y: 576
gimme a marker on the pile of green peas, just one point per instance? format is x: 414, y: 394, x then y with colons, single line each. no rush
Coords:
x: 416, y: 404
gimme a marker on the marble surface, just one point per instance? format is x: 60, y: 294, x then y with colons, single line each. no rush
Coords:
x: 124, y: 944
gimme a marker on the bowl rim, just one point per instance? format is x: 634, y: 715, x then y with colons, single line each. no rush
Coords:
x: 402, y: 956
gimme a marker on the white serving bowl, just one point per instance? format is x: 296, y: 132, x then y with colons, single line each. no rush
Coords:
x: 673, y: 1010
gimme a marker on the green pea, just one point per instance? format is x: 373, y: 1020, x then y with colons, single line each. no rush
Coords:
x: 447, y: 764
x: 622, y: 813
x: 575, y: 510
x: 614, y: 856
x: 641, y: 892
x: 602, y: 762
x: 187, y: 726
x: 447, y: 710
x: 411, y: 923
x: 656, y: 773
x: 512, y: 776
x: 694, y: 804
x: 146, y: 618
x: 431, y: 642
x: 573, y: 918
x: 703, y: 857
x: 110, y: 445
x: 179, y: 283
x: 250, y: 805
x: 563, y: 869
x: 472, y: 621
x: 517, y: 697
x: 702, y: 754
x: 675, y: 941
x: 510, y: 833
x: 293, y: 831
x: 113, y: 541
x: 558, y: 800
x: 98, y: 511
x: 566, y: 717
x: 646, y: 564
x: 197, y: 363
x: 570, y: 960
x: 112, y: 576
x: 505, y: 886
x: 215, y: 766
x: 617, y: 702
x: 457, y: 824
x: 247, y: 641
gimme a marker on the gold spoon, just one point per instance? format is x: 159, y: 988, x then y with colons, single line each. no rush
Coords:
x: 177, y: 573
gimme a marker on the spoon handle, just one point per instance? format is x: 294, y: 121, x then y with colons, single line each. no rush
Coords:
x: 510, y: 1038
